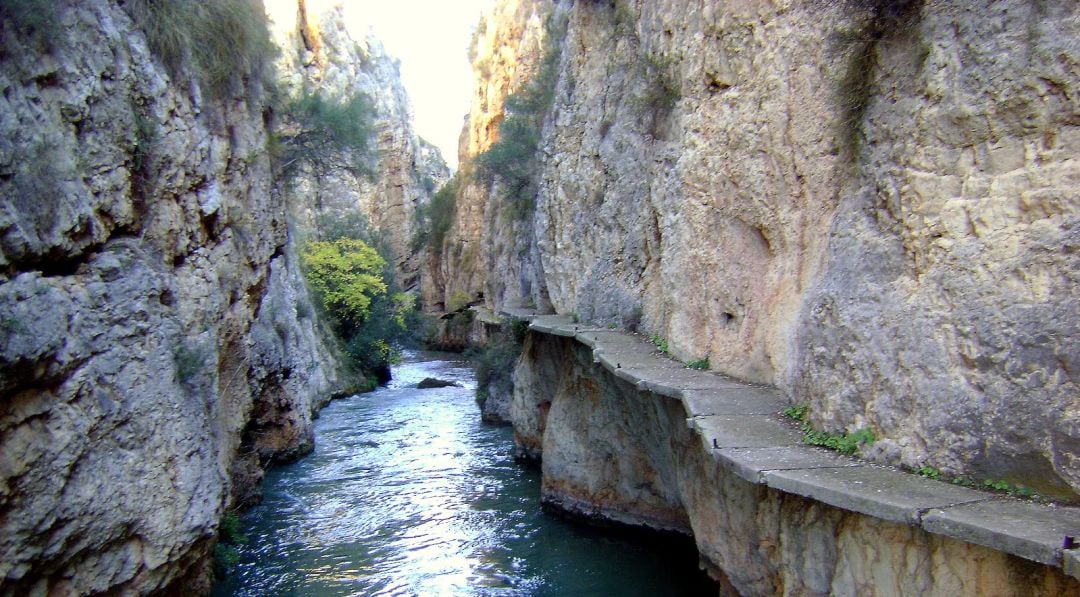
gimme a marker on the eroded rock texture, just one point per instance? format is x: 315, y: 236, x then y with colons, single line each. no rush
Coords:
x: 871, y: 205
x: 157, y: 348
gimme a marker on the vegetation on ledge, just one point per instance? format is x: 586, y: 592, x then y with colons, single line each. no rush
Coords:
x: 225, y: 43
x: 846, y: 443
x: 435, y: 218
x: 494, y: 362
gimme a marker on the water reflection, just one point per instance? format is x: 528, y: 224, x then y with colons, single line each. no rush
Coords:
x: 407, y: 493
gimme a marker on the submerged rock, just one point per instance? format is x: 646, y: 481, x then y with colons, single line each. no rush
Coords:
x: 431, y: 382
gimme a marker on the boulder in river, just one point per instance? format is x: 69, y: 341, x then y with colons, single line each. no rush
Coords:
x: 431, y: 382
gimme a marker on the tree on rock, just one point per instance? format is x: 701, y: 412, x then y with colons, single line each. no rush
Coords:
x: 345, y: 275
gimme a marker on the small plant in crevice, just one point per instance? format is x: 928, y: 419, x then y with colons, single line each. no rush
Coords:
x: 226, y: 554
x: 699, y: 364
x: 797, y: 412
x: 660, y: 343
x: 929, y: 472
x: 189, y: 360
x: 664, y: 90
x: 147, y: 134
x: 846, y: 443
x: 997, y: 485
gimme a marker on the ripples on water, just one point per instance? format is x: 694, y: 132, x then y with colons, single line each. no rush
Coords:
x: 408, y: 493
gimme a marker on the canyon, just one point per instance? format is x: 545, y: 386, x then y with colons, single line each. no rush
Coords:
x: 863, y: 212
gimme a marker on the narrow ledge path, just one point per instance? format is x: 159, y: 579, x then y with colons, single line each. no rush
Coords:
x: 740, y: 425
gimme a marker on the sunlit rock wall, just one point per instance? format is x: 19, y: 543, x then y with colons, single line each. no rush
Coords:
x: 484, y: 243
x: 869, y: 205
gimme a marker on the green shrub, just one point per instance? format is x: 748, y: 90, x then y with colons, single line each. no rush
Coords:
x: 664, y: 90
x: 326, y: 134
x: 699, y: 364
x: 459, y: 299
x: 225, y: 553
x: 352, y: 224
x: 354, y: 289
x: 147, y: 135
x: 660, y: 343
x: 929, y: 472
x: 189, y: 360
x: 494, y: 363
x: 224, y: 42
x: 225, y: 557
x: 1019, y: 491
x: 345, y: 275
x: 797, y: 412
x: 845, y: 443
x: 436, y: 218
x: 229, y: 529
x: 512, y: 159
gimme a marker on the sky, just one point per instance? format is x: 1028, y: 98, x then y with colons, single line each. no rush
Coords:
x: 431, y: 38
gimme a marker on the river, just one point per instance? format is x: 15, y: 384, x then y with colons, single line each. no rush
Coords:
x: 408, y: 493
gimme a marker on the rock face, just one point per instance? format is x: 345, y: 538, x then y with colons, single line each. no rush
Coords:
x: 871, y: 206
x: 157, y: 346
x: 323, y: 57
x: 507, y: 46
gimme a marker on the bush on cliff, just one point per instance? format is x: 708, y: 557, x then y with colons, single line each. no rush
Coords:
x: 225, y: 43
x: 353, y: 286
x: 512, y: 159
x: 435, y: 218
x: 495, y: 361
x: 326, y: 133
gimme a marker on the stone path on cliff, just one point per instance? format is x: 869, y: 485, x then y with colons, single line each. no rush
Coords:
x: 740, y: 425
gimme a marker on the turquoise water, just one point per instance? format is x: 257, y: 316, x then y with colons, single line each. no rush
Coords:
x: 408, y: 493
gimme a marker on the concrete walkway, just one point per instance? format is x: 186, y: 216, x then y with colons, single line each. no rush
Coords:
x: 741, y: 426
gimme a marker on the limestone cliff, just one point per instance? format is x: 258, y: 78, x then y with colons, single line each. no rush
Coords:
x: 871, y: 206
x: 506, y: 48
x: 157, y: 346
x: 321, y: 56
